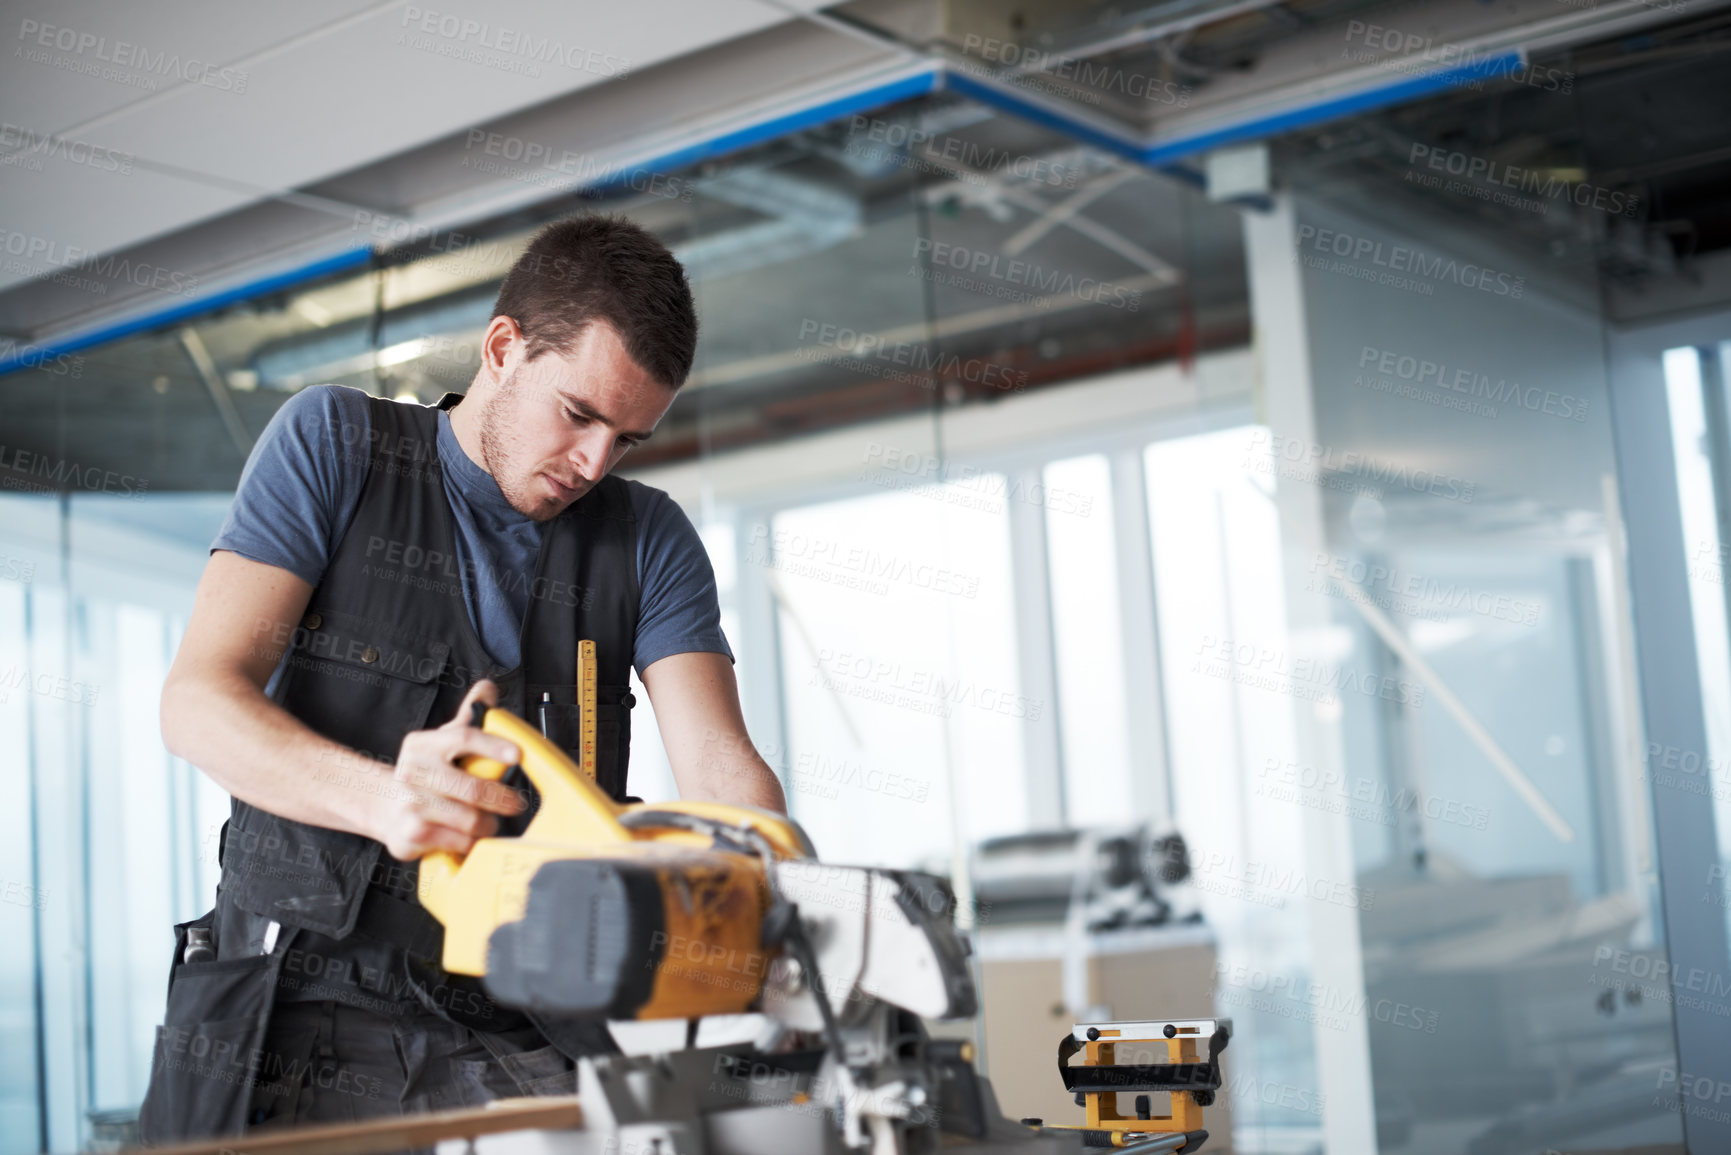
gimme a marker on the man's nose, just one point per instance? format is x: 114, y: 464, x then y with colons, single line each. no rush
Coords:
x: 591, y: 453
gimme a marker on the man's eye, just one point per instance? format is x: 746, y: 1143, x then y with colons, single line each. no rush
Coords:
x: 570, y: 416
x: 626, y: 443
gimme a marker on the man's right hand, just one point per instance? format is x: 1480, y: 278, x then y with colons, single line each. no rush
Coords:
x: 436, y: 805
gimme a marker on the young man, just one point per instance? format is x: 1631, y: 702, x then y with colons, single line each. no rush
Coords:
x: 383, y: 567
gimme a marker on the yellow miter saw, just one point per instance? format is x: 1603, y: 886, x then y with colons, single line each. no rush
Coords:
x: 684, y: 910
x: 602, y: 908
x: 679, y: 910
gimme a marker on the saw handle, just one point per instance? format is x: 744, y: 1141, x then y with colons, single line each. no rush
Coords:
x: 489, y: 768
x: 574, y: 810
x: 439, y: 867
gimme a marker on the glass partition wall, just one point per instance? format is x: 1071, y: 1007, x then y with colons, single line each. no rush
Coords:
x: 1453, y: 539
x: 1021, y: 520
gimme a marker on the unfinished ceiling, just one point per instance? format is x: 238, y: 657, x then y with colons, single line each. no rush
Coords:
x: 251, y: 150
x: 813, y: 237
x: 810, y: 260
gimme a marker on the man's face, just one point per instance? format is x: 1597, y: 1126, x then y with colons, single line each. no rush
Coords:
x: 554, y: 426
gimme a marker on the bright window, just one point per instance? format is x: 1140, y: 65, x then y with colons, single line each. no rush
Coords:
x: 899, y: 670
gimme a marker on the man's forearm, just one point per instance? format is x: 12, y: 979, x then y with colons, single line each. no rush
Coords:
x: 264, y: 756
x: 696, y: 700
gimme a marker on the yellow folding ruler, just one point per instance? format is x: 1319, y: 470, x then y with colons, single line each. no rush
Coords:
x: 587, y: 678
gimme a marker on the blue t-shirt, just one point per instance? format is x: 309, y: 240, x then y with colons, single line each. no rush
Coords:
x: 303, y: 482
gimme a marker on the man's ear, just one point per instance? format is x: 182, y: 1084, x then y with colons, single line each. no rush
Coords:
x: 502, y: 343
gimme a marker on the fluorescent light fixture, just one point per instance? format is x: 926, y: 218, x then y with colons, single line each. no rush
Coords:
x: 403, y: 351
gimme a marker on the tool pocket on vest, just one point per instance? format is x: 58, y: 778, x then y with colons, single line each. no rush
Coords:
x: 300, y: 875
x: 209, y: 1048
x: 562, y: 722
x: 367, y: 685
x: 613, y: 734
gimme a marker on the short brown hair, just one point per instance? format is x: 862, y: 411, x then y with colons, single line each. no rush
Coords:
x: 604, y: 268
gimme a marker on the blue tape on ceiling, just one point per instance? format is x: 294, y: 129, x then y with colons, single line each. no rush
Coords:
x: 1332, y: 108
x: 27, y: 356
x: 1166, y: 152
x: 920, y: 84
x: 997, y: 97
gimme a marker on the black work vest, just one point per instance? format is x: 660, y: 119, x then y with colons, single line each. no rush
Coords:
x: 387, y: 646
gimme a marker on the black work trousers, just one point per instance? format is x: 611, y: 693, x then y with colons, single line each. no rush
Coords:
x: 328, y: 1062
